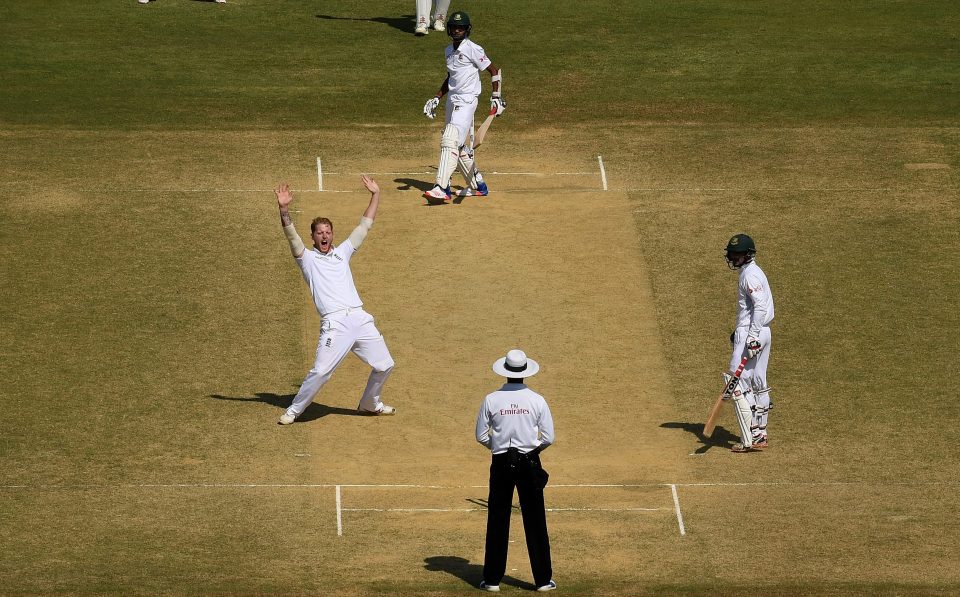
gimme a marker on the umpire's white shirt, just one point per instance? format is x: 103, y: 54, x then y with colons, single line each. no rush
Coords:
x: 330, y: 279
x: 464, y: 65
x: 514, y: 417
x: 754, y: 299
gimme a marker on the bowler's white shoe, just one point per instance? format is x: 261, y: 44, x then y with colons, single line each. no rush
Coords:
x: 144, y: 1
x: 385, y: 411
x: 286, y: 419
x: 439, y: 25
x: 492, y: 588
x: 550, y: 586
x: 220, y: 1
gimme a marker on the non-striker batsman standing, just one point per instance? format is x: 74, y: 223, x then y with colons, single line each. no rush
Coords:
x: 465, y: 60
x: 751, y: 339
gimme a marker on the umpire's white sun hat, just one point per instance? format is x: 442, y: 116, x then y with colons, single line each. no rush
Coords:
x: 515, y: 365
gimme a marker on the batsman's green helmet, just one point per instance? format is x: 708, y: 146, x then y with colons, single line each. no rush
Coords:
x: 741, y: 243
x: 459, y: 19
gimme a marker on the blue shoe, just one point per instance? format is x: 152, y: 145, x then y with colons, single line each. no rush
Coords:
x: 550, y: 586
x: 482, y: 190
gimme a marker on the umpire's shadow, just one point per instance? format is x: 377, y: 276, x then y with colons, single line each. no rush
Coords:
x: 721, y: 438
x: 405, y: 23
x: 314, y: 411
x: 472, y: 574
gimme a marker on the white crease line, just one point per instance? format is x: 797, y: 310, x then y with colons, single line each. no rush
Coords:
x: 319, y: 175
x: 676, y: 507
x: 339, y: 515
x: 603, y: 172
x: 484, y: 509
x: 417, y: 486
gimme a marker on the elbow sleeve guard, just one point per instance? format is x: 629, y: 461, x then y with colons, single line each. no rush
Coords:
x: 360, y: 232
x: 296, y: 245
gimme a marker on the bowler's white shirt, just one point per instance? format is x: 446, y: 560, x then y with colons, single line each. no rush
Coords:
x: 514, y: 417
x: 330, y: 279
x: 754, y: 299
x: 464, y: 65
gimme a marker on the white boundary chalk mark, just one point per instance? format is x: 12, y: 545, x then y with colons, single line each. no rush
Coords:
x: 319, y: 175
x: 676, y: 507
x: 603, y: 172
x: 339, y: 514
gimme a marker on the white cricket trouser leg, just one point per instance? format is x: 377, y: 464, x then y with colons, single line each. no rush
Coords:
x: 754, y: 376
x: 758, y: 381
x: 423, y: 11
x: 460, y: 112
x: 336, y: 340
x: 372, y: 350
x: 440, y: 10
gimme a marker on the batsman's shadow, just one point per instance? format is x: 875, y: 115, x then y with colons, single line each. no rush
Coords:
x: 469, y: 573
x: 314, y: 411
x: 721, y: 438
x: 405, y: 23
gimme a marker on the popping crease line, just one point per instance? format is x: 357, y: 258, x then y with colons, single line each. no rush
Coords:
x: 421, y: 486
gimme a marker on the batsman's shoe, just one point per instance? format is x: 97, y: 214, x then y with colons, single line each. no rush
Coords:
x: 286, y: 419
x: 550, y: 586
x: 482, y: 190
x: 440, y: 24
x: 383, y: 412
x: 437, y: 194
x: 760, y: 442
x: 492, y: 588
x: 742, y: 449
x: 423, y: 27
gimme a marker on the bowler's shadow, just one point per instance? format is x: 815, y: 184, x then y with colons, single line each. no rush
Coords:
x: 721, y: 438
x: 472, y: 574
x: 405, y: 23
x: 314, y: 411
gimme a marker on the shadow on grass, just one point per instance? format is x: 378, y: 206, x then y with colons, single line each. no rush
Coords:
x: 469, y: 573
x: 721, y: 438
x: 314, y: 411
x: 405, y: 23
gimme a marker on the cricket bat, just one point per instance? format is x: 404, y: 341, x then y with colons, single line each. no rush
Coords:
x: 482, y: 131
x: 728, y: 389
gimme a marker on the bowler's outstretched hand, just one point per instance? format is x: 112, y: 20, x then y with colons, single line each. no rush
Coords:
x: 284, y: 196
x: 370, y: 183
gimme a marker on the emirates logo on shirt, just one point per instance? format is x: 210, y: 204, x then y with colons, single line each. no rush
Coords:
x: 514, y: 409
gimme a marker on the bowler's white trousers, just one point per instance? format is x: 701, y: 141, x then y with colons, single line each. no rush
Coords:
x: 340, y: 333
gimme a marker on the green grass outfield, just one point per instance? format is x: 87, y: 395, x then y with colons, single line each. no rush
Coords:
x: 152, y: 326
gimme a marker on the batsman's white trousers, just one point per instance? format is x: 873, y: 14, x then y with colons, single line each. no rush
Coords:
x: 755, y: 373
x: 459, y: 112
x: 340, y: 333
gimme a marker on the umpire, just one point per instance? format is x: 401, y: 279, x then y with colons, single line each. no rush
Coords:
x: 516, y: 424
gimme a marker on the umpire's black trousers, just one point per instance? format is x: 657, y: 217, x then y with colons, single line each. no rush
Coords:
x: 508, y: 470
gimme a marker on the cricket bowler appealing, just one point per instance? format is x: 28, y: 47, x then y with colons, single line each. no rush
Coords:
x: 345, y: 326
x: 465, y: 60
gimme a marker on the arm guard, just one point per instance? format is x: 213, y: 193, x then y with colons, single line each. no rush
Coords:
x: 296, y: 245
x: 360, y: 232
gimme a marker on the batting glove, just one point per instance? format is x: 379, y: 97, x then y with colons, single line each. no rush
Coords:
x: 430, y: 108
x: 497, y: 103
x: 753, y: 347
